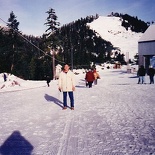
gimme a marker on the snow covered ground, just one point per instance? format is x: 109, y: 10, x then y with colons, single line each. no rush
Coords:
x: 14, y: 83
x: 110, y: 29
x: 116, y: 117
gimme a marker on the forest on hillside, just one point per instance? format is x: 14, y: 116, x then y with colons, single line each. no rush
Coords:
x: 132, y: 23
x: 75, y: 43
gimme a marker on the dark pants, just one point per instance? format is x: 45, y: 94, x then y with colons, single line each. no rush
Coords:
x: 90, y: 84
x: 48, y: 84
x: 71, y: 96
x: 151, y: 79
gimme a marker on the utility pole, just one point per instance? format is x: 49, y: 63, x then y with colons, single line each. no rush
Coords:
x: 71, y: 58
x: 71, y: 52
x: 128, y: 67
x: 53, y: 63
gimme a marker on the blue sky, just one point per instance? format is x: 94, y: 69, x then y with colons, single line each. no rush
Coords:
x: 31, y: 13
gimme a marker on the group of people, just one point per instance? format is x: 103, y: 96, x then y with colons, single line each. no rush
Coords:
x: 66, y: 83
x: 142, y: 72
x: 91, y: 76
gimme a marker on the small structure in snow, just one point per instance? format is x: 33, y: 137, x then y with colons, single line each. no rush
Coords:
x: 146, y: 47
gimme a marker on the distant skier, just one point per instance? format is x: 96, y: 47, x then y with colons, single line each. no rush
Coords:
x: 5, y: 77
x: 141, y: 74
x: 89, y: 78
x: 48, y: 80
x: 151, y: 73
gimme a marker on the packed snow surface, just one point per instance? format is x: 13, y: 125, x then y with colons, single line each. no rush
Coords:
x: 114, y: 117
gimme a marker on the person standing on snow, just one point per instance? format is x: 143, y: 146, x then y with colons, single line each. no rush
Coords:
x: 151, y: 72
x: 66, y: 84
x: 5, y: 77
x: 48, y: 80
x: 141, y: 73
x: 90, y: 78
x: 96, y: 76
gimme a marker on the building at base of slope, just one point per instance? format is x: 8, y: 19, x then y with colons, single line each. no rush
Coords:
x: 146, y: 47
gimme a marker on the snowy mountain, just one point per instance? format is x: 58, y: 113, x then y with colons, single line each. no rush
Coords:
x: 110, y: 29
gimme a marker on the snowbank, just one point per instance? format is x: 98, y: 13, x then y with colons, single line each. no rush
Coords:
x: 14, y: 83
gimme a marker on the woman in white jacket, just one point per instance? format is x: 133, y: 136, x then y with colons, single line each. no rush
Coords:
x: 67, y: 85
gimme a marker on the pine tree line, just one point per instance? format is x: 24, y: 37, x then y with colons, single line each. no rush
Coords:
x: 17, y: 55
x: 132, y: 23
x: 86, y: 46
x: 73, y: 43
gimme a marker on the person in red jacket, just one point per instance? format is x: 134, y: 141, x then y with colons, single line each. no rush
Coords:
x: 90, y: 78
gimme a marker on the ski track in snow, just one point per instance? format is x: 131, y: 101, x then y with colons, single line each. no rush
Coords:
x: 116, y: 117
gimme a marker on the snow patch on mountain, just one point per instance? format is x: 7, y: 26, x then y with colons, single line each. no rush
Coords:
x: 110, y: 29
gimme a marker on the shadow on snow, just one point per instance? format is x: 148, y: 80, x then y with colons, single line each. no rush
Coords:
x: 53, y: 99
x: 16, y: 144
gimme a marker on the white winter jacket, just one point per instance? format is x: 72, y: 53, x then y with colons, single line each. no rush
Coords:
x: 66, y: 81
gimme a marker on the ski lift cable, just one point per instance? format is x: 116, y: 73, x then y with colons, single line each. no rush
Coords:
x: 32, y: 43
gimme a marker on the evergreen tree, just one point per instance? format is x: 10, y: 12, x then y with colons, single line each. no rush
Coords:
x: 4, y: 51
x: 52, y: 40
x: 51, y: 21
x: 13, y: 33
x: 133, y: 23
x: 86, y: 45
